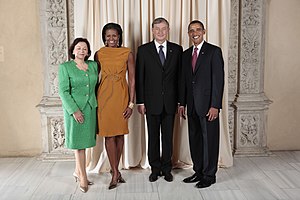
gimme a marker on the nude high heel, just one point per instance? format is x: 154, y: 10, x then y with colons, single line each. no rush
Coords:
x: 77, y: 179
x: 83, y: 189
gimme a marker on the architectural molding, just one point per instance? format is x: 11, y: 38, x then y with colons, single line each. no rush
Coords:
x: 248, y: 105
x: 57, y: 28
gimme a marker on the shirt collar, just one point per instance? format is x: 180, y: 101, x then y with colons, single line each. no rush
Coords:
x: 163, y: 44
x: 199, y: 46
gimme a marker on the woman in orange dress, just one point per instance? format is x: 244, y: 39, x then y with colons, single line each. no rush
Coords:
x: 115, y: 96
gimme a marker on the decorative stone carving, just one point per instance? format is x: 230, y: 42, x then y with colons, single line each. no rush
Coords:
x: 249, y: 130
x: 233, y: 50
x: 57, y: 133
x: 71, y: 20
x: 57, y: 47
x: 248, y: 104
x: 57, y: 31
x: 251, y: 104
x: 231, y: 125
x: 56, y: 13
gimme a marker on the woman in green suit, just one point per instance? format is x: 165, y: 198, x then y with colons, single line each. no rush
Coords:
x: 77, y: 82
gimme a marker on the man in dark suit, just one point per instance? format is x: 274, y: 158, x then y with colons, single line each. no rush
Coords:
x: 202, y: 90
x: 157, y: 70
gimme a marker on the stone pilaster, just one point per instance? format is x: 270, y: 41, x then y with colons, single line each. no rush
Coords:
x: 251, y: 104
x: 233, y: 66
x: 57, y: 31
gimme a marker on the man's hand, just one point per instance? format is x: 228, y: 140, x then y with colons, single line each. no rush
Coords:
x: 181, y: 112
x: 142, y: 109
x: 212, y: 114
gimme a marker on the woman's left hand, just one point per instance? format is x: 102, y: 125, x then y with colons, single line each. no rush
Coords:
x: 127, y: 113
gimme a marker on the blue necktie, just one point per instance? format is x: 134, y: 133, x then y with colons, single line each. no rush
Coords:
x: 161, y: 55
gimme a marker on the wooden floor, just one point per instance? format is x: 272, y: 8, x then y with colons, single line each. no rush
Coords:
x: 251, y: 178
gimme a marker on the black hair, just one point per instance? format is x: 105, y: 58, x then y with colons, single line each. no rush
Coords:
x: 196, y: 22
x: 75, y: 42
x: 114, y: 26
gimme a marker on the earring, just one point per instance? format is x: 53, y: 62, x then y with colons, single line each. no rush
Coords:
x: 105, y: 43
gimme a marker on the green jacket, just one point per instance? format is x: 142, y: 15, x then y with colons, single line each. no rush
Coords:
x: 77, y: 87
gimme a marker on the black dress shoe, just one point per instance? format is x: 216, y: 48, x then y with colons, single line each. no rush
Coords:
x: 168, y: 177
x: 153, y: 177
x: 204, y: 183
x: 192, y: 179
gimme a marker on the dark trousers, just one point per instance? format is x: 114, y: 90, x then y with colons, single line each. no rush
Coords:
x: 163, y: 123
x: 204, y: 145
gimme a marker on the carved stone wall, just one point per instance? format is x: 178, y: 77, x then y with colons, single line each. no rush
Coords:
x: 248, y: 104
x: 247, y: 63
x: 57, y: 28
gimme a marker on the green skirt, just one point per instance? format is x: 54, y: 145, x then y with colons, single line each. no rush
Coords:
x: 80, y: 136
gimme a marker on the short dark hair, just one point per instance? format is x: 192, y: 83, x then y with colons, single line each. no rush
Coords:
x: 114, y: 26
x: 196, y: 22
x: 159, y: 20
x: 75, y: 42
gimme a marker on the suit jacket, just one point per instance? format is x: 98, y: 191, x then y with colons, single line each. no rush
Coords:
x: 202, y: 88
x: 76, y: 87
x: 157, y: 84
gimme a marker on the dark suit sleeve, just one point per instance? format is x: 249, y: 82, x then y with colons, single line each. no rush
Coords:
x: 217, y: 79
x: 181, y: 82
x: 139, y: 79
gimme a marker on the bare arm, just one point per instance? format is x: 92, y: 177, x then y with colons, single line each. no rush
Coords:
x: 131, y: 82
x: 131, y: 77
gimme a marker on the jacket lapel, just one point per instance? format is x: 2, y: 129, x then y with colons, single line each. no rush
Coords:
x: 200, y: 57
x: 169, y: 54
x: 154, y: 53
x: 189, y: 52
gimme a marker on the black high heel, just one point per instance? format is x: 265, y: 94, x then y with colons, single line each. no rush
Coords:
x: 113, y: 184
x: 120, y: 179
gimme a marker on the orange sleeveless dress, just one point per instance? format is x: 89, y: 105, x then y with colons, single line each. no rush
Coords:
x: 113, y: 97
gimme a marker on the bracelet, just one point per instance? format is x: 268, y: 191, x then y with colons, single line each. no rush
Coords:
x: 130, y: 105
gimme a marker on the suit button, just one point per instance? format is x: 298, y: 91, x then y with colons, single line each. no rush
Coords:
x: 193, y: 82
x: 86, y: 74
x: 87, y: 85
x: 87, y: 95
x: 162, y: 93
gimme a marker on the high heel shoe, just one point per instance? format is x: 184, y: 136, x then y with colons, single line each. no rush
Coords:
x: 77, y: 179
x: 83, y: 189
x: 120, y: 179
x: 113, y: 184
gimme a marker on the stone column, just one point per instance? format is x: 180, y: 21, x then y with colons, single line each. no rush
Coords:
x: 233, y: 66
x: 251, y: 104
x: 57, y: 30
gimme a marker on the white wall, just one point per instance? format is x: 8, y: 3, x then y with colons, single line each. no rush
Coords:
x: 20, y: 78
x: 282, y: 74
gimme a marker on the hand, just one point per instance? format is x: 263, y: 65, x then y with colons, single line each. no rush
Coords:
x: 142, y: 109
x: 212, y: 114
x: 127, y: 113
x: 181, y: 112
x: 78, y: 116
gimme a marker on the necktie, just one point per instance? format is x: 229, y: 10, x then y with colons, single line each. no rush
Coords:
x: 194, y: 58
x: 161, y: 55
